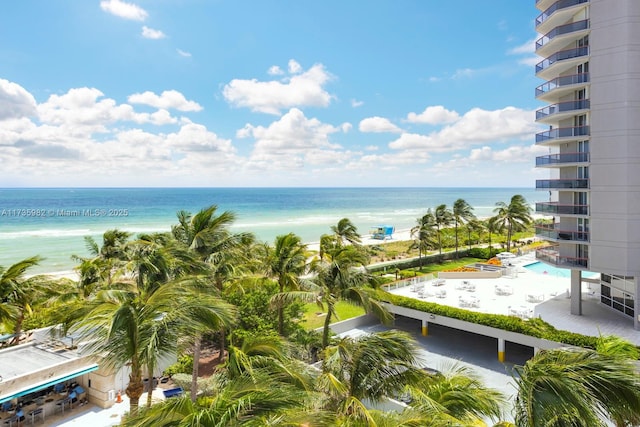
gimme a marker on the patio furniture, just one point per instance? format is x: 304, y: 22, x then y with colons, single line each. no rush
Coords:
x: 441, y: 293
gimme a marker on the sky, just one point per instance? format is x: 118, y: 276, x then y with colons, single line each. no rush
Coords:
x: 268, y: 93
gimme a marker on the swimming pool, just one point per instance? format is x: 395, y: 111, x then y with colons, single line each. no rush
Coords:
x: 542, y: 268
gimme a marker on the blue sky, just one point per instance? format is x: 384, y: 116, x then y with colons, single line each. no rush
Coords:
x: 268, y: 93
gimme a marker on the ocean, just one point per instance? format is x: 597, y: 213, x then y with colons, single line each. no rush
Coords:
x: 53, y: 222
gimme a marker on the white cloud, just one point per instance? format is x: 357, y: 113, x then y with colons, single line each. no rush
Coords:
x: 274, y: 70
x: 526, y: 48
x: 183, y: 53
x: 477, y: 126
x: 294, y: 67
x: 124, y: 10
x: 434, y: 115
x: 304, y: 89
x: 378, y: 124
x: 169, y: 99
x: 464, y: 73
x: 355, y: 103
x: 15, y: 101
x: 150, y: 33
x: 513, y: 154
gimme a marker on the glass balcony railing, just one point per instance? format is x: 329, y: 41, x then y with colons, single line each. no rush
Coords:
x: 561, y: 158
x: 560, y: 4
x: 551, y: 255
x: 556, y: 208
x: 558, y: 133
x: 562, y: 184
x: 554, y: 232
x: 562, y: 107
x: 562, y: 81
x: 562, y: 29
x: 561, y: 56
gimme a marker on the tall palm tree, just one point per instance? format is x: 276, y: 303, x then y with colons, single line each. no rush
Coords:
x: 577, y: 387
x: 461, y: 213
x: 16, y: 293
x: 342, y: 277
x: 443, y: 218
x: 515, y: 216
x: 492, y: 227
x: 345, y: 230
x: 207, y: 235
x: 285, y: 262
x: 475, y: 226
x: 422, y: 233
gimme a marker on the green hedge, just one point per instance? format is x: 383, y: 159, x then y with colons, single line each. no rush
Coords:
x: 533, y: 327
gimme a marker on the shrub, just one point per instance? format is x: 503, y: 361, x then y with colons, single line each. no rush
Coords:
x: 184, y: 365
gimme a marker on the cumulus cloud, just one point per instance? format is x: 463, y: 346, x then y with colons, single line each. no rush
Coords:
x: 169, y: 99
x: 274, y: 70
x: 303, y: 89
x: 476, y: 127
x: 124, y: 10
x: 294, y: 67
x: 513, y: 154
x: 377, y: 125
x: 150, y: 33
x: 15, y: 101
x: 434, y: 115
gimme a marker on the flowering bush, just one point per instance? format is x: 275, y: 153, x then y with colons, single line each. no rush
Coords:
x: 494, y: 261
x: 462, y: 269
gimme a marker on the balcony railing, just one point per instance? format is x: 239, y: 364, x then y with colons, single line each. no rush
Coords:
x: 561, y: 158
x: 554, y: 232
x: 561, y: 56
x: 556, y: 208
x: 562, y: 133
x: 562, y: 184
x: 562, y: 29
x: 551, y: 255
x: 562, y: 107
x: 560, y: 4
x: 562, y: 81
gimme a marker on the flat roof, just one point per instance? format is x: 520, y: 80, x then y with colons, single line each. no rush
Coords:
x: 23, y: 359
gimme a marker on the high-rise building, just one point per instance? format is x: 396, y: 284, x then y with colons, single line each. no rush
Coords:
x: 591, y: 73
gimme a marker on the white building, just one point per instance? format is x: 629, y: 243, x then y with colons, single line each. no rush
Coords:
x: 591, y: 73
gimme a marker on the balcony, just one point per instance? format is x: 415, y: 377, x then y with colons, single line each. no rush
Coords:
x: 561, y: 86
x: 553, y: 232
x: 544, y: 45
x: 562, y: 110
x: 559, y: 11
x: 555, y: 208
x: 551, y: 255
x: 561, y: 159
x: 562, y: 184
x: 566, y: 58
x: 557, y: 135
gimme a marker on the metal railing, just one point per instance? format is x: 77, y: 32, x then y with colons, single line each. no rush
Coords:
x: 560, y: 158
x: 560, y: 30
x: 553, y: 232
x: 561, y: 209
x: 562, y: 81
x: 562, y: 107
x: 562, y: 133
x: 562, y: 183
x: 560, y: 4
x: 551, y: 255
x: 561, y: 56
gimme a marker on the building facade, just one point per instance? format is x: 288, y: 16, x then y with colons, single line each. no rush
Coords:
x: 591, y: 88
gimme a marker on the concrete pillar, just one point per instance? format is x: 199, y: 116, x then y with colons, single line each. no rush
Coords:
x: 425, y: 328
x: 576, y: 292
x: 501, y: 349
x: 636, y: 305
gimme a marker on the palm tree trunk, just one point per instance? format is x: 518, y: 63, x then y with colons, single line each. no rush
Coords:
x: 17, y: 329
x: 327, y: 323
x: 281, y: 313
x: 456, y: 239
x: 194, y: 372
x: 150, y: 385
x: 222, y: 344
x: 134, y: 389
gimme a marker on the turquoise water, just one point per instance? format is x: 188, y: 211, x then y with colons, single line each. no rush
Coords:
x: 53, y: 222
x: 542, y: 268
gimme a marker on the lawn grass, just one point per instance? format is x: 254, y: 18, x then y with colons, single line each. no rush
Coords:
x: 314, y: 317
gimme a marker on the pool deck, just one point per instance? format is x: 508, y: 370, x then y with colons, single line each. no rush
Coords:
x: 529, y: 294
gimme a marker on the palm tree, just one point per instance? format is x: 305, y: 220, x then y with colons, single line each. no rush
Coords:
x: 285, y: 262
x: 462, y: 213
x: 492, y: 227
x: 577, y: 387
x: 207, y: 235
x: 475, y: 226
x: 456, y: 396
x: 341, y: 276
x: 443, y: 218
x: 422, y: 233
x: 345, y: 230
x: 16, y: 294
x: 515, y: 216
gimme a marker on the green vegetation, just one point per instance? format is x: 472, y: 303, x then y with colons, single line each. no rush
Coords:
x: 314, y: 318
